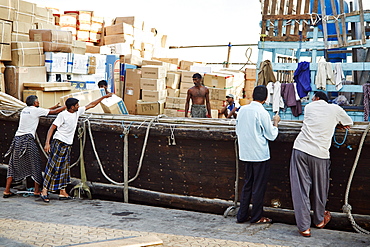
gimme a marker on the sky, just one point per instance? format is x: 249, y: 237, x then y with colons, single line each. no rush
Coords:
x: 188, y: 23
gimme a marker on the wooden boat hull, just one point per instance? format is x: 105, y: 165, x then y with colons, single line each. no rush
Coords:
x: 198, y: 173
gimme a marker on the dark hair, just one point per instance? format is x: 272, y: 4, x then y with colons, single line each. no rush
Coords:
x: 71, y: 102
x: 321, y: 95
x: 102, y: 83
x: 197, y: 75
x: 31, y: 100
x: 260, y: 93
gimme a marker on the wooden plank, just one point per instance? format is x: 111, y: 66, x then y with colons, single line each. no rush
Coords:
x: 298, y: 11
x: 272, y: 19
x: 343, y: 22
x: 290, y: 11
x: 312, y: 45
x: 140, y: 241
x: 265, y: 12
x: 324, y: 25
x: 305, y: 25
x: 335, y: 13
x: 287, y: 17
x: 280, y: 22
x: 362, y: 21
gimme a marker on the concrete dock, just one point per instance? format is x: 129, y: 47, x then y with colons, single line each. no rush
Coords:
x: 28, y: 221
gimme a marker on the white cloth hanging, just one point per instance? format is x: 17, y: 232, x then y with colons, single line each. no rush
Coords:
x: 274, y: 96
x: 324, y: 75
x: 338, y: 76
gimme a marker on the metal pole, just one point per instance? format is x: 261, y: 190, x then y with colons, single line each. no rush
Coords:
x: 125, y: 168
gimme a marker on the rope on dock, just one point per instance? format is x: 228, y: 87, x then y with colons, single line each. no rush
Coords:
x: 347, y: 207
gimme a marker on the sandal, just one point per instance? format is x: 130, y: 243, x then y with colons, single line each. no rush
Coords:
x: 45, y: 198
x: 327, y: 218
x: 306, y: 233
x: 65, y: 197
x: 263, y: 220
x: 5, y: 195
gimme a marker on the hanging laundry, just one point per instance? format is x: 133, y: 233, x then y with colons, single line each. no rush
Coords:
x: 338, y: 76
x: 274, y: 96
x: 288, y: 94
x: 366, y: 89
x: 302, y: 77
x: 266, y: 74
x: 324, y: 75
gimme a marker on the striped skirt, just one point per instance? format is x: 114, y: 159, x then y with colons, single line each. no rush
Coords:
x: 57, y: 173
x: 25, y: 160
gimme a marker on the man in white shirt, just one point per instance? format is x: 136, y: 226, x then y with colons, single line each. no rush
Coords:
x: 57, y: 173
x: 310, y: 161
x: 254, y: 130
x: 25, y: 160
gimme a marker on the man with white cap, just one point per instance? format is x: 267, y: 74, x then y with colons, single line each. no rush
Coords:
x: 231, y: 109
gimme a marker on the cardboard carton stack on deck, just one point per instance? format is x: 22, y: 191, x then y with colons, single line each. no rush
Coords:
x: 153, y: 90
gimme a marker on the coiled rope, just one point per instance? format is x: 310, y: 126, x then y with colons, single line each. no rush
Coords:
x: 347, y: 207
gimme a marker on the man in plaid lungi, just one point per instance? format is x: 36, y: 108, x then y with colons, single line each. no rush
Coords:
x: 57, y: 173
x: 25, y: 160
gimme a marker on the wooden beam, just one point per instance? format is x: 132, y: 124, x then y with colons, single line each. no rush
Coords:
x: 335, y: 13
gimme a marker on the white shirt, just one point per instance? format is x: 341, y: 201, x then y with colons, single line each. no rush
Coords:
x: 29, y: 120
x: 320, y: 119
x: 66, y: 123
x: 254, y: 129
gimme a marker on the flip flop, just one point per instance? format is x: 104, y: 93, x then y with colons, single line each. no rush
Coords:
x: 45, y: 198
x: 327, y: 218
x: 263, y: 220
x: 306, y: 233
x: 65, y: 198
x: 8, y: 195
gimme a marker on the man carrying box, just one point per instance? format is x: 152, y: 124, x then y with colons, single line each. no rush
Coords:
x: 199, y: 95
x: 57, y: 173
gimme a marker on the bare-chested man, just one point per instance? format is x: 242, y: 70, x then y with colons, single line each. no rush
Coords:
x: 199, y: 95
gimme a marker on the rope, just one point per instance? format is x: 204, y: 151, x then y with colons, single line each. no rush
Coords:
x: 347, y: 207
x: 344, y: 139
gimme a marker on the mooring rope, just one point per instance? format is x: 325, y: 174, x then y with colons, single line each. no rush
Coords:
x: 347, y: 207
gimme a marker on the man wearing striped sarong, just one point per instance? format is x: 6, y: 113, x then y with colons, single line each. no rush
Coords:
x: 25, y: 160
x: 57, y: 171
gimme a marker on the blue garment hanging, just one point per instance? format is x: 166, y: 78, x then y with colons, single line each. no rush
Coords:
x: 302, y: 77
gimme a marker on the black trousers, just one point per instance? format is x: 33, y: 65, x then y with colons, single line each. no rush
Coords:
x: 256, y: 177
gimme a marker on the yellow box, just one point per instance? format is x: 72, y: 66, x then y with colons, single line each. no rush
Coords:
x: 150, y: 108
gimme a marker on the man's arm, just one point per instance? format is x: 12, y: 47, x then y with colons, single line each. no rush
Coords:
x: 187, y: 103
x: 208, y: 105
x: 56, y: 109
x: 95, y: 102
x: 48, y: 137
x: 224, y: 110
x: 232, y: 113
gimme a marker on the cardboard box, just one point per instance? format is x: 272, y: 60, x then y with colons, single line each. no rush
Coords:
x: 173, y: 80
x: 79, y: 64
x: 112, y: 71
x: 173, y: 92
x: 175, y: 103
x: 150, y: 108
x: 85, y: 97
x: 25, y: 7
x: 7, y: 10
x: 119, y: 48
x: 217, y: 104
x: 91, y: 66
x: 118, y: 38
x: 82, y: 16
x: 120, y: 28
x: 53, y: 40
x: 185, y: 65
x: 132, y: 89
x: 249, y: 84
x: 184, y: 87
x: 22, y: 27
x: 152, y: 84
x: 5, y: 32
x: 82, y: 35
x: 131, y: 59
x: 187, y: 76
x: 48, y: 86
x: 5, y: 52
x: 27, y: 54
x: 16, y: 76
x: 132, y: 20
x: 122, y: 75
x: 170, y: 112
x: 92, y: 49
x: 46, y: 99
x: 218, y: 80
x: 219, y: 93
x: 250, y: 74
x: 153, y: 71
x: 20, y: 37
x: 114, y: 105
x: 79, y: 47
x: 57, y: 62
x: 151, y: 95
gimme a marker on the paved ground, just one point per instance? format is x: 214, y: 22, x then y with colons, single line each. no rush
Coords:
x: 27, y: 221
